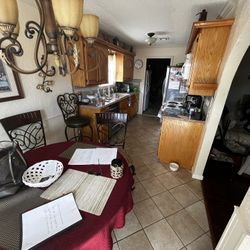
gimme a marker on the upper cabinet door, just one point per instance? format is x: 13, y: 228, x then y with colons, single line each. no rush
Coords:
x: 208, y: 41
x: 124, y: 67
x: 92, y: 67
x: 128, y: 67
x: 103, y: 64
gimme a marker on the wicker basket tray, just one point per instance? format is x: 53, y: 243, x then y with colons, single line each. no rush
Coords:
x: 42, y: 174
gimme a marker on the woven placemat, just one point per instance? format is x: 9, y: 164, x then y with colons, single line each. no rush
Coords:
x: 11, y: 209
x: 70, y: 151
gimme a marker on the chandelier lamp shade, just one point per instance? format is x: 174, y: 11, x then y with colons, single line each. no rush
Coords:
x: 89, y: 27
x: 68, y: 14
x: 56, y: 34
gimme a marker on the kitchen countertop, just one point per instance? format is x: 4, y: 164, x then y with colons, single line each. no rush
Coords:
x: 182, y: 114
x: 114, y: 100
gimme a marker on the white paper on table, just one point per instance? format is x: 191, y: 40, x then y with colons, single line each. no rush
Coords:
x: 93, y: 156
x: 47, y: 220
x: 104, y: 155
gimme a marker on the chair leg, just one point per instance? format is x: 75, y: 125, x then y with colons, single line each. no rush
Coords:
x: 91, y: 129
x: 66, y: 135
x: 80, y: 135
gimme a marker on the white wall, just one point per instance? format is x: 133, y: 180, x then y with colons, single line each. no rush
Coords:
x: 36, y: 99
x: 238, y: 43
x: 177, y: 55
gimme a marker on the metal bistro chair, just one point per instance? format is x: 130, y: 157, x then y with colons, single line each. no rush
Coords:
x: 111, y: 130
x: 25, y: 129
x: 68, y: 104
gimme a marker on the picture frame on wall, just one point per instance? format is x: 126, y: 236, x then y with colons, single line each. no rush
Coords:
x: 10, y: 85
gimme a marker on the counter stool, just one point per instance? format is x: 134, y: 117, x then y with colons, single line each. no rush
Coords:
x: 68, y: 104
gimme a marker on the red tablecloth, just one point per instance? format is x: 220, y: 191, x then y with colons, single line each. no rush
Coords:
x: 93, y: 232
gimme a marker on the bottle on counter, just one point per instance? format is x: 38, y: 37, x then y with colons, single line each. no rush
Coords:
x: 79, y: 95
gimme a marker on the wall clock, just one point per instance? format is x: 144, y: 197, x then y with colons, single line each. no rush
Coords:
x: 138, y: 63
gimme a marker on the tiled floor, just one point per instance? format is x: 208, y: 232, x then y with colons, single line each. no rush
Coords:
x: 168, y: 211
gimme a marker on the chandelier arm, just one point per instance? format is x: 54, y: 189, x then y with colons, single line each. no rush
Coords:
x: 15, y: 48
x: 72, y: 51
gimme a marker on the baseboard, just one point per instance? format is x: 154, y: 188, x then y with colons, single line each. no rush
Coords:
x: 197, y: 176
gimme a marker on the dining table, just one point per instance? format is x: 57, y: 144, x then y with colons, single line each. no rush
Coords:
x: 92, y: 232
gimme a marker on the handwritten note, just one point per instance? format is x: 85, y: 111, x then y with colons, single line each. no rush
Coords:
x: 47, y: 220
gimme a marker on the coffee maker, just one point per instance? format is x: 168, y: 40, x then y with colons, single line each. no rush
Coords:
x: 194, y: 105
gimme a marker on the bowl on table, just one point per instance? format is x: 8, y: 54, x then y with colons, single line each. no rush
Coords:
x: 42, y: 174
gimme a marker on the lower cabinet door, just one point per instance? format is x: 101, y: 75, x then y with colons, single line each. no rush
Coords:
x: 179, y: 141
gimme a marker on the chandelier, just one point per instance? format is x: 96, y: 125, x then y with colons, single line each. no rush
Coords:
x: 56, y: 34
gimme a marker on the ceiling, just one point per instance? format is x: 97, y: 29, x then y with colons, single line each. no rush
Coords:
x: 131, y: 20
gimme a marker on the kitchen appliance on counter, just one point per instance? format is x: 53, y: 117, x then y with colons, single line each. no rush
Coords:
x: 193, y: 105
x: 124, y: 87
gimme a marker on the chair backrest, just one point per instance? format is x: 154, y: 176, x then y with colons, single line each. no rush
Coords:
x: 68, y: 104
x: 25, y: 129
x: 111, y: 128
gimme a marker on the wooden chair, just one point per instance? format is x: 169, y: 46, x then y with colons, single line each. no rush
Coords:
x: 25, y: 129
x: 111, y: 130
x: 69, y: 106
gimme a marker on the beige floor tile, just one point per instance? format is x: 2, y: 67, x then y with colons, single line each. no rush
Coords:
x: 144, y: 173
x: 113, y: 237
x: 132, y: 225
x: 115, y: 247
x: 158, y: 168
x: 153, y: 186
x: 198, y: 212
x: 183, y: 195
x: 139, y: 193
x: 208, y: 234
x: 203, y: 243
x: 135, y: 242
x: 162, y: 236
x: 168, y: 180
x: 137, y: 161
x: 195, y: 187
x: 135, y: 179
x: 183, y: 175
x: 167, y: 203
x: 185, y: 226
x: 147, y: 212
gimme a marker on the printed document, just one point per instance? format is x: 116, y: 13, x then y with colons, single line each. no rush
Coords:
x: 93, y: 156
x: 47, y: 220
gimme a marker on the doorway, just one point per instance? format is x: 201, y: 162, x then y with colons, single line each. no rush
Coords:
x: 155, y: 75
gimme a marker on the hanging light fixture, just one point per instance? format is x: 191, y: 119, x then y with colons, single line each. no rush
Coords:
x: 59, y: 20
x: 150, y: 39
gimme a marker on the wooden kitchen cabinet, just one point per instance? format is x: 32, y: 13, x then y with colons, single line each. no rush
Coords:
x: 93, y: 65
x: 90, y: 113
x: 179, y: 141
x: 123, y: 105
x: 207, y: 44
x: 133, y: 106
x: 128, y: 67
x: 129, y: 105
x: 124, y: 67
